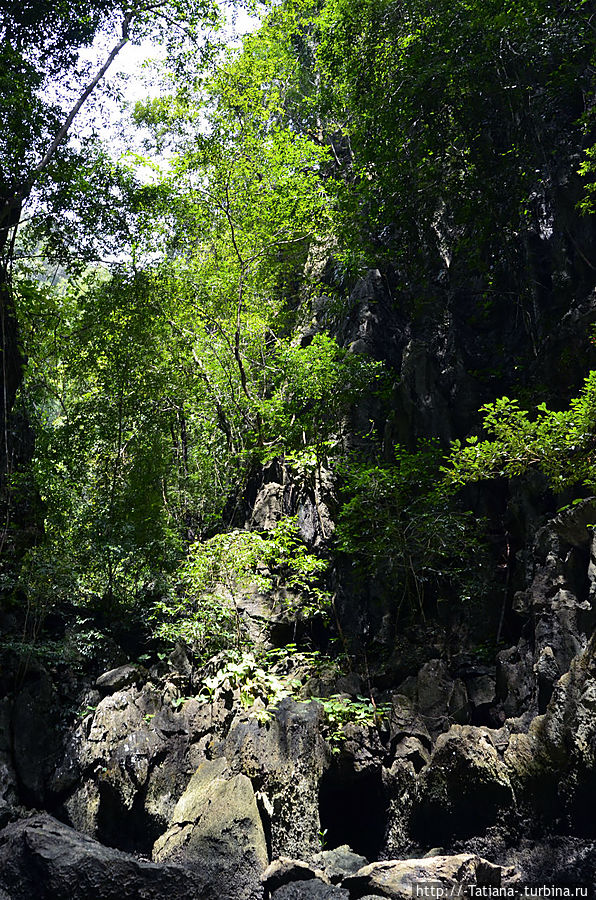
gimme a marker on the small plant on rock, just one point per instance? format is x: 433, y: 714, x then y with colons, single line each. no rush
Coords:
x: 206, y: 611
x: 341, y: 710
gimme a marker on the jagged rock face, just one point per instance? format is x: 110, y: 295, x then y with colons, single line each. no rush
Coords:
x: 276, y: 490
x: 42, y: 858
x: 424, y: 781
x: 559, y: 604
x: 127, y: 764
x: 216, y: 826
x: 285, y: 761
x: 464, y: 787
x: 554, y: 763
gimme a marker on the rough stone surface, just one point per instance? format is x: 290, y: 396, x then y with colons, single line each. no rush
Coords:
x: 441, y: 699
x: 310, y: 890
x: 554, y: 765
x: 562, y: 616
x: 43, y: 859
x: 481, y: 691
x: 556, y: 860
x: 286, y: 758
x: 216, y: 826
x: 404, y: 721
x: 413, y: 750
x: 464, y: 787
x: 515, y: 682
x: 401, y: 786
x: 337, y: 864
x: 275, y: 490
x: 127, y: 764
x: 119, y: 679
x: 394, y: 879
x: 284, y: 870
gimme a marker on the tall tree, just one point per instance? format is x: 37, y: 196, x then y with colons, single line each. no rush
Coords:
x: 44, y: 84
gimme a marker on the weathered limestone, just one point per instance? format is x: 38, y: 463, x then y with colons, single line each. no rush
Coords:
x: 395, y: 879
x: 216, y: 826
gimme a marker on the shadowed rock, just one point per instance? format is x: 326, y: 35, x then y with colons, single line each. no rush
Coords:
x: 216, y: 827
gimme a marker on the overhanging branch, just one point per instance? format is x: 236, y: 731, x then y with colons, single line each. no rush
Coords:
x: 84, y: 96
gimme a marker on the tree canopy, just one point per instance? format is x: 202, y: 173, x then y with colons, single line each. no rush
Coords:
x: 180, y: 308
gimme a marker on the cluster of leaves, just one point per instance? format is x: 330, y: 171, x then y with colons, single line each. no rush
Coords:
x: 205, y: 611
x: 401, y: 525
x: 262, y: 689
x: 560, y: 444
x: 46, y: 79
x: 450, y: 108
x: 340, y: 710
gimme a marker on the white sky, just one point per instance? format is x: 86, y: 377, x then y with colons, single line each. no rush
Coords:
x: 136, y: 81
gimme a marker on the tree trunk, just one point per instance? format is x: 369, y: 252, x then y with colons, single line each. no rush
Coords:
x: 11, y: 358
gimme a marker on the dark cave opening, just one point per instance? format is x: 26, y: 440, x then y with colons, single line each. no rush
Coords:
x: 131, y: 830
x: 353, y: 810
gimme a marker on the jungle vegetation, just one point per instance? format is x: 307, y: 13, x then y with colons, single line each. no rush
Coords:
x: 160, y: 332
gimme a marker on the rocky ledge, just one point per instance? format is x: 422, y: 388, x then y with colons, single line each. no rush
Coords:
x: 158, y: 790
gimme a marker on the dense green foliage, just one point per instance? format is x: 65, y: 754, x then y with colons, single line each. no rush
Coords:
x: 168, y: 312
x: 217, y: 572
x: 400, y: 526
x: 560, y: 444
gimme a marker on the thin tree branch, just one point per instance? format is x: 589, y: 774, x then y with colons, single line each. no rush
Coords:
x: 43, y: 163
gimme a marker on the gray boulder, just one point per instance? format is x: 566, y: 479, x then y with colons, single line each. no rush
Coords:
x: 43, y: 859
x: 216, y: 826
x: 464, y: 788
x: 284, y: 870
x: 315, y: 889
x: 337, y: 864
x: 119, y: 679
x: 441, y: 699
x: 396, y: 879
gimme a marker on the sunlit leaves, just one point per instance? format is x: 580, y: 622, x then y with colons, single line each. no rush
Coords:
x: 560, y: 444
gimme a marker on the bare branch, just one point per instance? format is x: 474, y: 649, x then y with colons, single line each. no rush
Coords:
x: 43, y: 163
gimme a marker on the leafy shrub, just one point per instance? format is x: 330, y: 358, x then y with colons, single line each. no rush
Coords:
x: 261, y: 690
x: 340, y: 710
x: 217, y: 572
x: 401, y: 524
x: 254, y: 682
x: 560, y: 444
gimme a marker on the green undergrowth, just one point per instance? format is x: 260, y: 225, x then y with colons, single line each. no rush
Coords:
x: 261, y: 681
